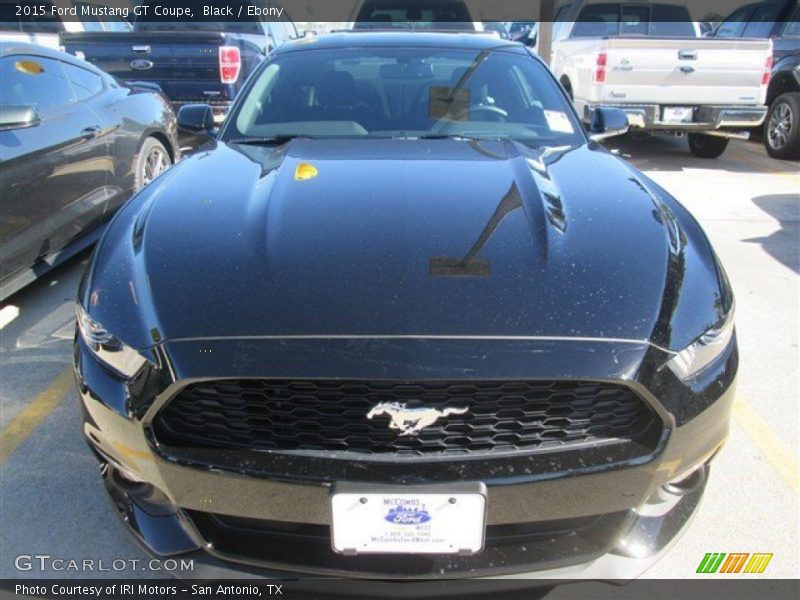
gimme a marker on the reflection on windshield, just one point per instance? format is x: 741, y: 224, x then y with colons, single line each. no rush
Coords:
x: 497, y: 93
x: 471, y: 265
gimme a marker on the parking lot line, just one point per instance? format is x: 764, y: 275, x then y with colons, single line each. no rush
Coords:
x: 767, y: 442
x: 32, y: 415
x: 752, y: 159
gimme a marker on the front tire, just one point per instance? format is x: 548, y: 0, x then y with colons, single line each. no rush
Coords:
x: 707, y: 146
x: 782, y: 127
x: 153, y: 159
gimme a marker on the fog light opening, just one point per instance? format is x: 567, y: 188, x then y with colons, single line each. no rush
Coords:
x: 688, y: 482
x: 127, y: 479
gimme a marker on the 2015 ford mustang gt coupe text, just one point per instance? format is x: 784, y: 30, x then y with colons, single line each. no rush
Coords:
x: 404, y: 317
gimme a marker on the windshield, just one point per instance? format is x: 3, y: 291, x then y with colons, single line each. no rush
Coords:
x: 405, y: 92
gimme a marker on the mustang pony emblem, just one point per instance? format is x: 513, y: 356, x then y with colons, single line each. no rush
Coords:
x: 410, y: 421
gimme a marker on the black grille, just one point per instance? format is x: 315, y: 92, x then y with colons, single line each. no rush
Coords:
x: 518, y: 547
x: 255, y: 414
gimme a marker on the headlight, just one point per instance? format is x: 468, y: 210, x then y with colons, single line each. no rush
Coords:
x: 703, y: 351
x: 108, y: 349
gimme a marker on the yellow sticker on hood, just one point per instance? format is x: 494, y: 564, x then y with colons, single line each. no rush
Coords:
x: 305, y: 171
x: 29, y: 67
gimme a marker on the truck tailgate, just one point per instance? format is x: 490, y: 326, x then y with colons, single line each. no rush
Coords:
x: 685, y: 71
x: 160, y: 57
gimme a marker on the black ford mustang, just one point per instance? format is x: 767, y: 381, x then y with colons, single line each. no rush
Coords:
x: 75, y: 144
x: 404, y: 318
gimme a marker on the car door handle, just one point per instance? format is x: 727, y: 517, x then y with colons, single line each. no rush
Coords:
x: 90, y: 132
x: 687, y: 54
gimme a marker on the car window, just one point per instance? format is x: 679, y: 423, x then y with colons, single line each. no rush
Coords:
x: 597, y: 20
x: 792, y: 27
x: 560, y: 24
x: 84, y: 82
x: 607, y: 19
x: 406, y: 92
x: 423, y: 14
x: 635, y: 20
x: 33, y: 81
x: 763, y: 21
x: 734, y: 25
x: 670, y: 20
x: 561, y: 12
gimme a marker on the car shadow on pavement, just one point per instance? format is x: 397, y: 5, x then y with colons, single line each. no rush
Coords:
x: 784, y: 243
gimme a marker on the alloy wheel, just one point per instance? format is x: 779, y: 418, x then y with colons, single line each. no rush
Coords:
x: 155, y: 163
x: 780, y: 124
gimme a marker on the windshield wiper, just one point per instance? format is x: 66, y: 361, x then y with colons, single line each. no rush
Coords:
x: 460, y: 136
x: 275, y: 140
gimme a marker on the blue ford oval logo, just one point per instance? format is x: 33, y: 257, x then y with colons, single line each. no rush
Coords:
x: 141, y: 64
x: 407, y: 516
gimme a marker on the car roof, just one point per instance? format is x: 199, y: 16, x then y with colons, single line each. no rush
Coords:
x: 14, y: 48
x: 407, y: 39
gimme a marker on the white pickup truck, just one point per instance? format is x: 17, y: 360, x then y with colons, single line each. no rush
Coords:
x: 645, y: 59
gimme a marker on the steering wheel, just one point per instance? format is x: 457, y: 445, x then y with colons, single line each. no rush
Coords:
x: 482, y: 108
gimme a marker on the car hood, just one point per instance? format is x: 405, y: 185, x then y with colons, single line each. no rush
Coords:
x: 386, y: 237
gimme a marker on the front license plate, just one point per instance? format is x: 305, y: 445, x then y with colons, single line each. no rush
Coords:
x: 408, y: 523
x: 678, y: 114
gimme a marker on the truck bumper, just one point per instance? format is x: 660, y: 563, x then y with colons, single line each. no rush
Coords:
x: 722, y: 120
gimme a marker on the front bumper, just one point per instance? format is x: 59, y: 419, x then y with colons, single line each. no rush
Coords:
x: 571, y: 520
x: 720, y: 119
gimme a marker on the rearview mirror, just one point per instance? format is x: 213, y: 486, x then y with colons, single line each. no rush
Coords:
x: 18, y: 117
x: 196, y: 118
x: 607, y: 122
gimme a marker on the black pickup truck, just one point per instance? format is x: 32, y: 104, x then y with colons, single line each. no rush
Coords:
x: 190, y: 61
x: 778, y: 20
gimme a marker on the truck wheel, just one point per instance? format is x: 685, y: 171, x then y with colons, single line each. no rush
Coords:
x: 153, y: 159
x: 782, y: 127
x: 707, y: 146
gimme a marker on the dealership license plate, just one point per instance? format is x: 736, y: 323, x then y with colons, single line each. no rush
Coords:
x: 678, y: 114
x: 408, y: 523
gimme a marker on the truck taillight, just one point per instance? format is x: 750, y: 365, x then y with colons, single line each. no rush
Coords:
x: 230, y: 63
x: 767, y: 70
x: 600, y: 68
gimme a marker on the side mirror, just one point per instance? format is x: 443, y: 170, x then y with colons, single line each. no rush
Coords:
x: 18, y: 117
x: 607, y: 122
x: 196, y: 118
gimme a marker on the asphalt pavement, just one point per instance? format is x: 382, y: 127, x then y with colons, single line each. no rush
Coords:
x: 52, y: 501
